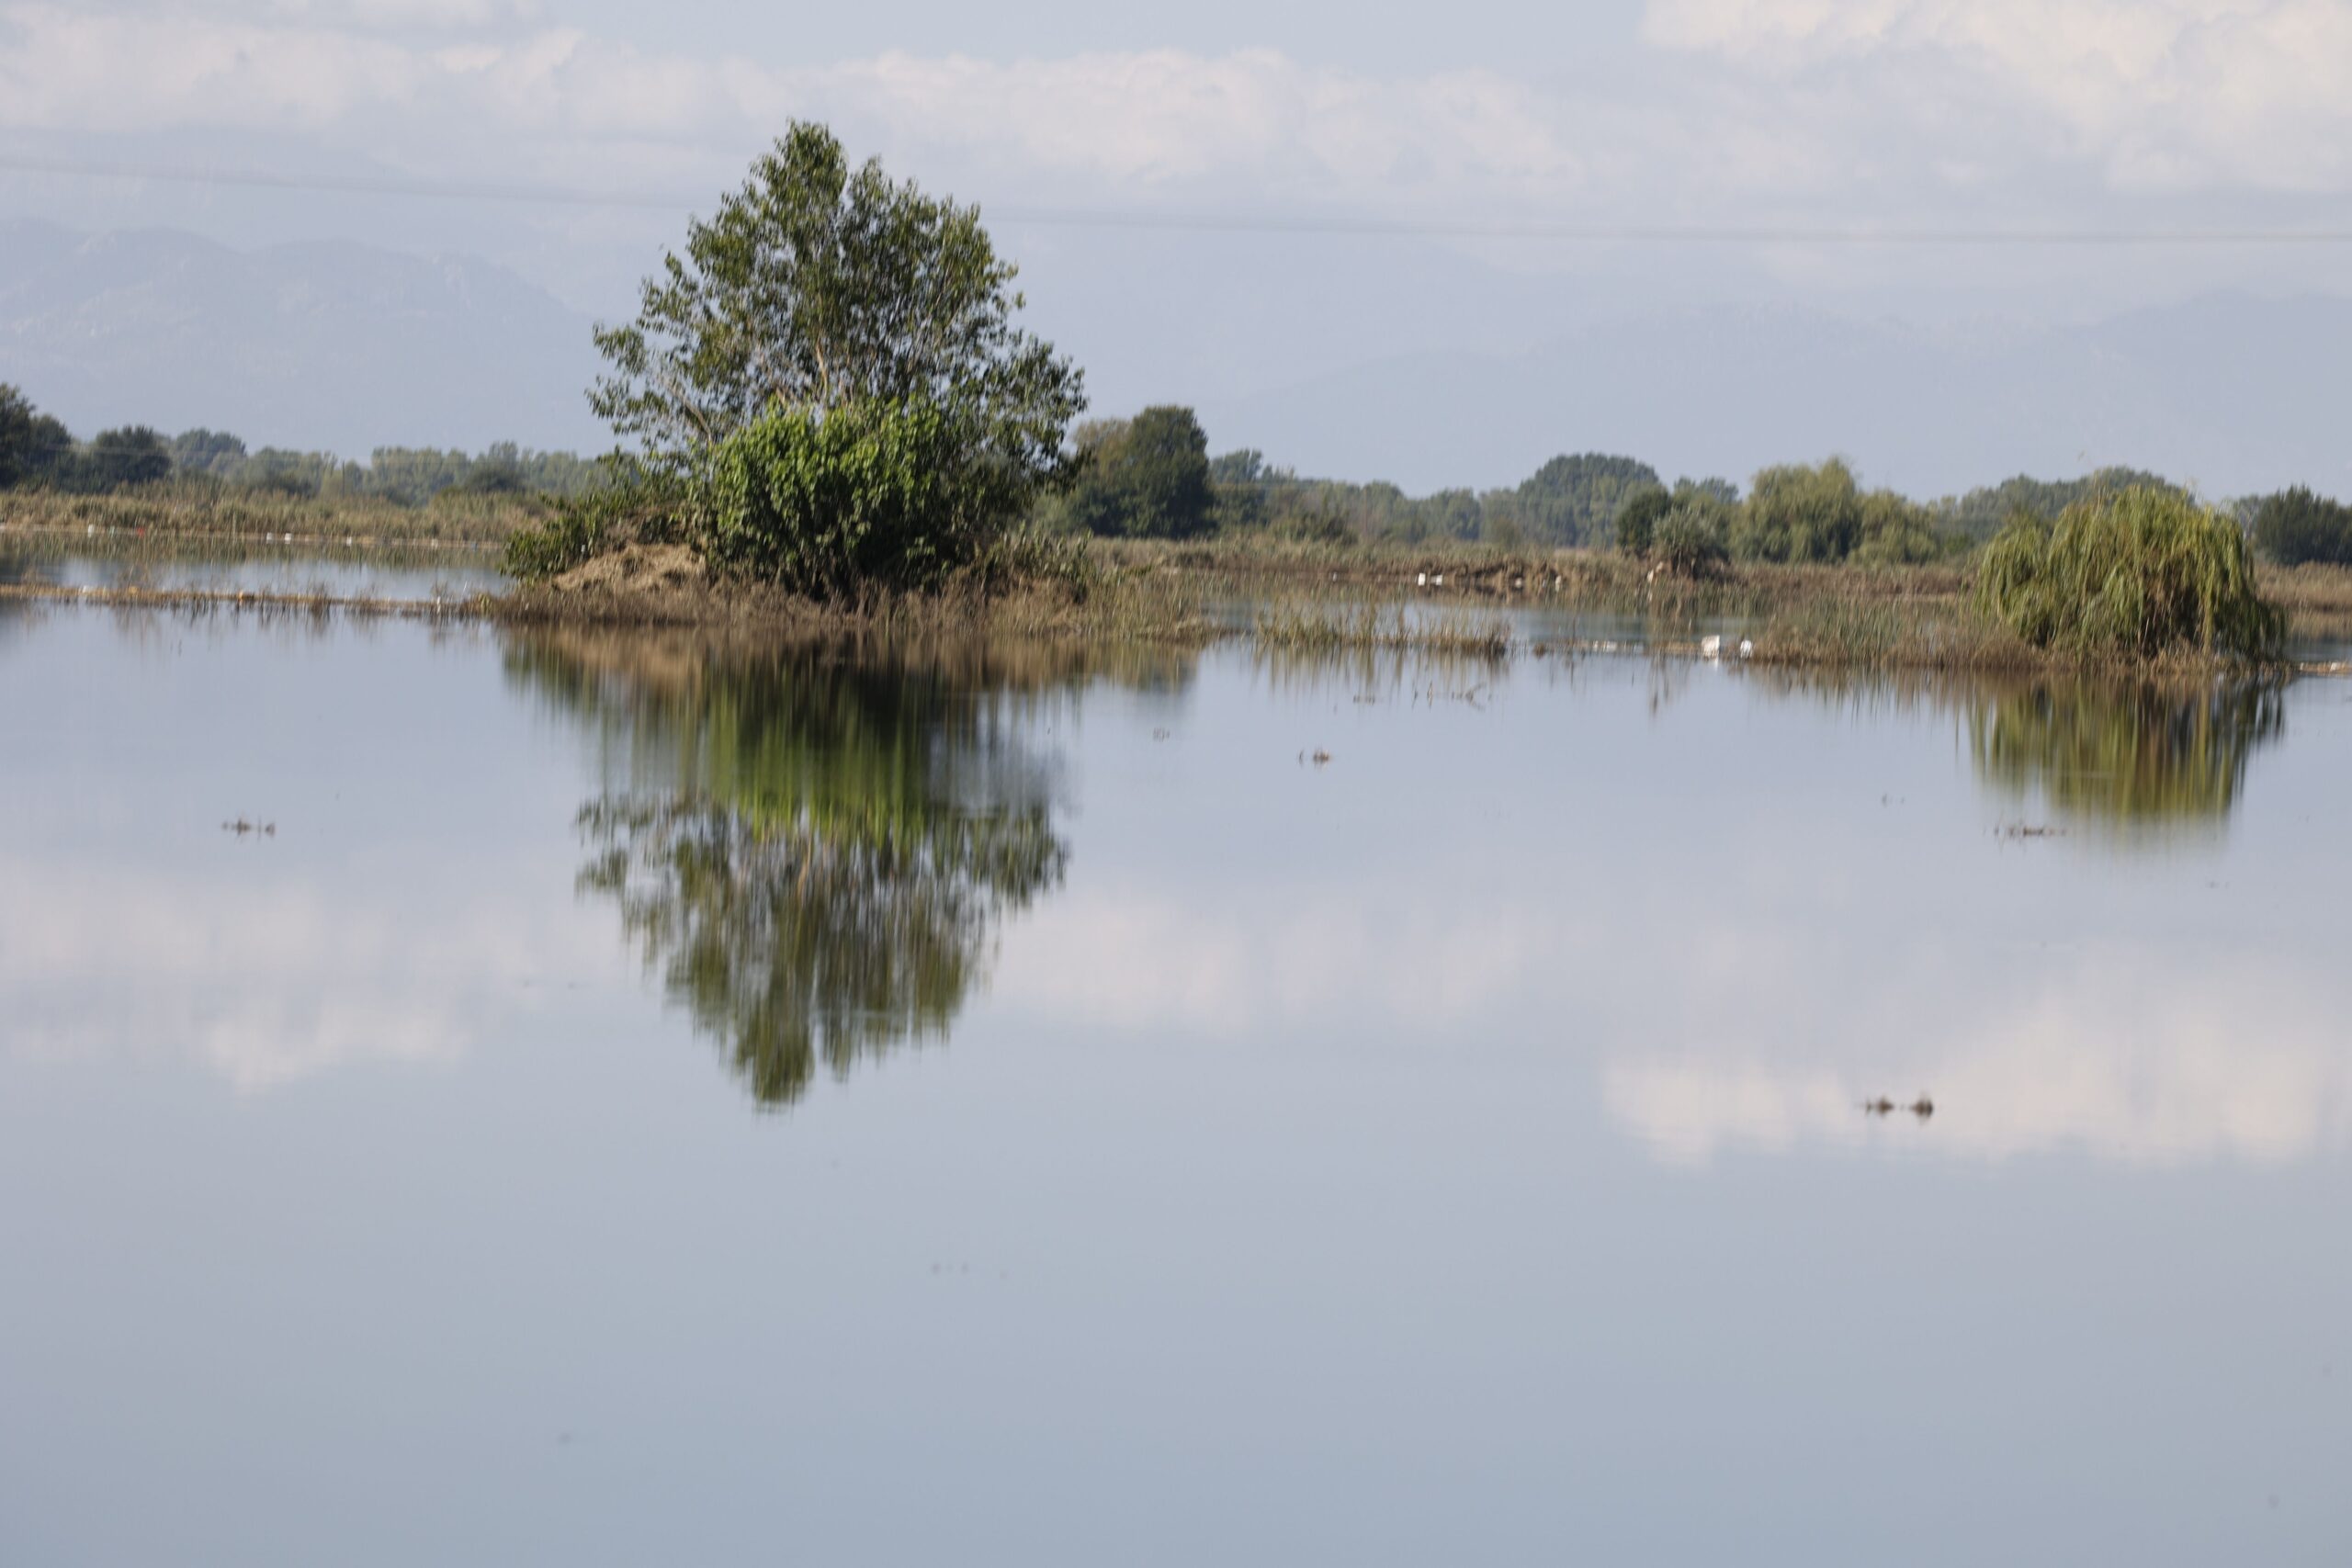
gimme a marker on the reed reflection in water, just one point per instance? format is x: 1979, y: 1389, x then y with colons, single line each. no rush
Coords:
x: 814, y: 846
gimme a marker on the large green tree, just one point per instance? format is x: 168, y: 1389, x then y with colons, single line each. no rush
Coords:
x: 1148, y: 478
x: 31, y: 442
x: 818, y: 285
x: 2298, y: 525
x: 1575, y: 501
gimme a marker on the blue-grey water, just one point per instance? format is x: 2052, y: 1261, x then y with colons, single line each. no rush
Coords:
x: 417, y: 574
x: 625, y: 1100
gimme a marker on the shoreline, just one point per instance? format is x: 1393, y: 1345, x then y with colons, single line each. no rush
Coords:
x: 1340, y: 627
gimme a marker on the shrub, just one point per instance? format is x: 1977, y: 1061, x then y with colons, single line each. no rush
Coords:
x: 1318, y: 522
x: 1637, y: 524
x: 865, y: 496
x: 1690, y: 542
x: 1895, y: 532
x: 2295, y: 528
x: 1799, y: 513
x: 1147, y: 478
x: 2138, y: 573
x: 634, y: 505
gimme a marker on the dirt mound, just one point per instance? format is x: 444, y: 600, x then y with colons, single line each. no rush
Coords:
x: 637, y: 569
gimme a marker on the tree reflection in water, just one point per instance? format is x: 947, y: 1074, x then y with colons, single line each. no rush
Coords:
x: 813, y: 847
x: 2124, y: 755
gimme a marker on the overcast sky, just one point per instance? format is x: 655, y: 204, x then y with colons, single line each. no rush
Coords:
x: 1971, y: 115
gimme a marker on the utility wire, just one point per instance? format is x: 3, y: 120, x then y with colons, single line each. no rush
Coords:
x: 1236, y: 222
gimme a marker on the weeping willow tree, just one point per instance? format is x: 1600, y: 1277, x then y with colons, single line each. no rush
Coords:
x: 2126, y: 756
x: 2139, y: 573
x: 813, y: 853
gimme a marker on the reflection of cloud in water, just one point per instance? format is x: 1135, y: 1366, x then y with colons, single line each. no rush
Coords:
x: 1133, y: 963
x: 2116, y: 1060
x: 2121, y: 1055
x: 265, y: 984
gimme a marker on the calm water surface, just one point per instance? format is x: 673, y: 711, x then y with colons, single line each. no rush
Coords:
x: 652, y: 1102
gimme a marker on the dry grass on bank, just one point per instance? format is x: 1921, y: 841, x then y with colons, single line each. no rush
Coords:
x: 213, y: 514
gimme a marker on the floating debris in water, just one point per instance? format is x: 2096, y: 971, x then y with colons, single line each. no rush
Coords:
x: 1922, y: 1107
x: 1319, y: 756
x: 245, y: 829
x: 2029, y: 830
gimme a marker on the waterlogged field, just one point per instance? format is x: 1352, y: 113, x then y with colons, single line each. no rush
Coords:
x: 481, y: 1096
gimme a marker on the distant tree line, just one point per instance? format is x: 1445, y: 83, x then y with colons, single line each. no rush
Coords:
x: 37, y: 451
x: 2296, y: 527
x: 1153, y: 476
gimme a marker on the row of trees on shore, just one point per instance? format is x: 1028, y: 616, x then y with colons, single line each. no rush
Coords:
x: 1153, y: 476
x: 37, y: 451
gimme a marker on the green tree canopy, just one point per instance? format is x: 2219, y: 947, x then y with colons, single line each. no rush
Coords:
x: 1147, y: 478
x: 2296, y: 526
x: 31, y: 442
x: 1800, y: 514
x: 1637, y: 524
x: 1575, y: 501
x: 1983, y: 511
x: 818, y: 285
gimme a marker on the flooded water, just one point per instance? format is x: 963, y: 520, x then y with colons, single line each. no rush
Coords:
x: 289, y: 570
x: 470, y: 1097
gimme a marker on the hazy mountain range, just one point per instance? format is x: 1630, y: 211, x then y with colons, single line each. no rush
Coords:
x: 346, y: 347
x: 2234, y: 393
x: 329, y: 345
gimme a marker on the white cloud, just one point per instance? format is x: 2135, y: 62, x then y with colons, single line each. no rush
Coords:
x: 2156, y: 94
x: 1151, y: 118
x: 1744, y: 101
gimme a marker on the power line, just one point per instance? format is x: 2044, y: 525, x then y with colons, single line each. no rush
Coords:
x: 1732, y: 234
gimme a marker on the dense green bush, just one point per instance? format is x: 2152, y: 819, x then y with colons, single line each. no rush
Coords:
x: 868, y: 496
x: 1820, y: 513
x: 1575, y: 501
x: 1148, y: 478
x: 1692, y: 539
x: 2296, y: 527
x: 2138, y: 573
x: 1637, y: 524
x: 1986, y: 510
x: 1895, y: 532
x: 631, y: 505
x: 1800, y: 514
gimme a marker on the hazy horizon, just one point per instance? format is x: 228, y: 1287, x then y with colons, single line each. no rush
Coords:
x: 1247, y: 212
